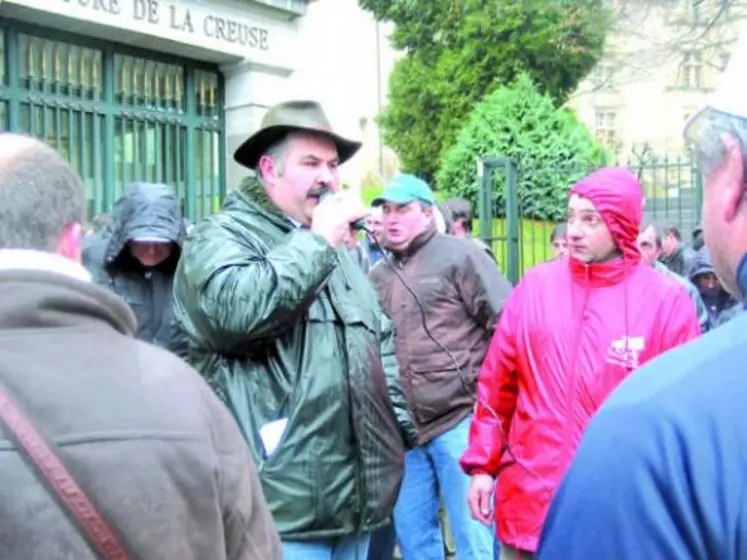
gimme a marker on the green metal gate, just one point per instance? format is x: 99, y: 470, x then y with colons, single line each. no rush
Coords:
x: 672, y: 189
x: 119, y: 115
x: 503, y: 236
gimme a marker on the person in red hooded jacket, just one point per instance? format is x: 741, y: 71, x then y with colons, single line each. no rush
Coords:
x: 570, y: 333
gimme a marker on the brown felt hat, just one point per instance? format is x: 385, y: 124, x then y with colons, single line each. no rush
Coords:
x: 287, y: 117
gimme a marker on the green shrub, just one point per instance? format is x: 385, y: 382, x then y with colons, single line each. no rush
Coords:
x: 368, y: 193
x: 551, y: 147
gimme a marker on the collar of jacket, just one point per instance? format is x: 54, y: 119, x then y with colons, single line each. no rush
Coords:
x: 252, y: 191
x: 24, y: 259
x: 417, y: 242
x: 603, y: 273
x: 34, y: 299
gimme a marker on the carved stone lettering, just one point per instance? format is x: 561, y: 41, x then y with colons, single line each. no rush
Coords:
x: 107, y: 6
x: 183, y: 18
x: 231, y: 31
x: 145, y: 10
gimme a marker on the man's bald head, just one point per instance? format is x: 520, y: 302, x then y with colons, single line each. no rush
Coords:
x: 41, y: 196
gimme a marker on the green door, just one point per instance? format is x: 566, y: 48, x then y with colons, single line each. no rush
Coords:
x: 118, y: 115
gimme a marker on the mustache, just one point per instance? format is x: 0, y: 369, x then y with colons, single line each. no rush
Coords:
x: 320, y: 190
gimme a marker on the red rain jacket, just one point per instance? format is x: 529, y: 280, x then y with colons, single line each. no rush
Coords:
x: 569, y: 334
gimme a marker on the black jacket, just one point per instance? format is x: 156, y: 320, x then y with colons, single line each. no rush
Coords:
x: 680, y: 261
x: 145, y: 210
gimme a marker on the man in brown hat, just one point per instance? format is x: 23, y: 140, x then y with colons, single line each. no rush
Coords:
x: 290, y: 334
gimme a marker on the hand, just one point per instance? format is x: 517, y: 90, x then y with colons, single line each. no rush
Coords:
x: 480, y: 498
x: 333, y: 215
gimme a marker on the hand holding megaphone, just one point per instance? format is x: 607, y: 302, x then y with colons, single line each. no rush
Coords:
x: 336, y: 214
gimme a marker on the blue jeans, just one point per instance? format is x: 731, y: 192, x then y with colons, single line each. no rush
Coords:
x: 342, y: 548
x: 383, y: 543
x: 428, y: 469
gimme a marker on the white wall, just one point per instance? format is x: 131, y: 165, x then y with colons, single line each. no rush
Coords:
x: 337, y: 66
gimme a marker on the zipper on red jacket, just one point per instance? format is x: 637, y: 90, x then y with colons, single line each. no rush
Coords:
x: 573, y: 372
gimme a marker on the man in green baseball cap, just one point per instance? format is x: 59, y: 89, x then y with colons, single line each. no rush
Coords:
x: 460, y: 292
x: 407, y: 204
x: 404, y: 189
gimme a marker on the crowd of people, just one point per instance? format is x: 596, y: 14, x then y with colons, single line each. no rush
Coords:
x: 271, y: 385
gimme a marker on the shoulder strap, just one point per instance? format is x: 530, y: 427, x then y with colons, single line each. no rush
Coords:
x: 56, y: 478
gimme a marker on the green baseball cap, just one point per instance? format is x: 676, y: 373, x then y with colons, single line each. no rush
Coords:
x: 404, y: 189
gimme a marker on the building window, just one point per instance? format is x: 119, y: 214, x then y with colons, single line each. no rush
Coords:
x: 604, y: 128
x: 159, y: 121
x: 602, y: 76
x: 691, y: 71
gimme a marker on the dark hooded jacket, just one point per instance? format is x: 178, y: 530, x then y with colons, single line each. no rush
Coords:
x: 145, y: 210
x: 721, y: 306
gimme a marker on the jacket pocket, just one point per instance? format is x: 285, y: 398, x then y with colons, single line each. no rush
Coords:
x: 439, y: 386
x: 351, y: 315
x: 269, y: 460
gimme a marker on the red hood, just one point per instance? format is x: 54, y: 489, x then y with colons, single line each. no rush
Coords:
x: 618, y: 196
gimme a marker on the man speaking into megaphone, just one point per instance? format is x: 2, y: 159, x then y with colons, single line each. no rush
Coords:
x: 290, y: 334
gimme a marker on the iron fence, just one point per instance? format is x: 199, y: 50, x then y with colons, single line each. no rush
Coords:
x: 672, y: 191
x: 119, y: 115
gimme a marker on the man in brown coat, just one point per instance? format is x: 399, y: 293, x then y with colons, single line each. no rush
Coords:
x: 461, y: 293
x: 136, y: 429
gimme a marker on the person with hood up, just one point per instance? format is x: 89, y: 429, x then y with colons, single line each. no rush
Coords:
x: 719, y: 304
x: 136, y: 255
x: 660, y: 472
x: 570, y: 333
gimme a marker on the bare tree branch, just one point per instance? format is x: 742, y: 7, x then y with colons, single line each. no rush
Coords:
x: 648, y: 36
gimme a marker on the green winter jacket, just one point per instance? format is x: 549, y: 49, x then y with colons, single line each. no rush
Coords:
x: 283, y: 326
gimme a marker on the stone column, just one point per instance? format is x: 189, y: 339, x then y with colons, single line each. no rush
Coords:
x: 249, y: 90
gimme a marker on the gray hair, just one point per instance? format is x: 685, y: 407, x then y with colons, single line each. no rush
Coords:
x: 709, y: 147
x: 276, y: 152
x: 41, y: 194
